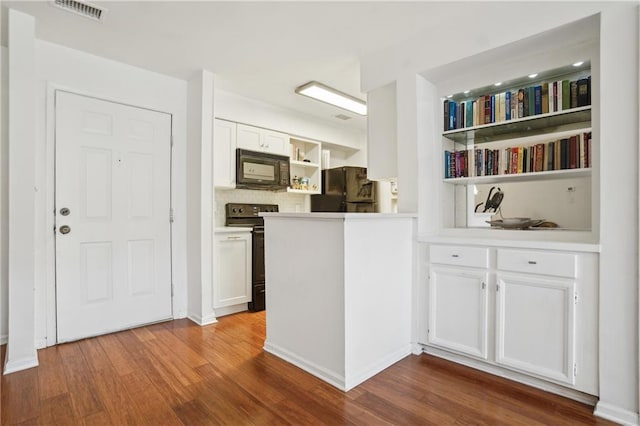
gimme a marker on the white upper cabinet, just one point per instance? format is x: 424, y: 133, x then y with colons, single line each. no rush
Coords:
x: 262, y: 140
x: 224, y: 154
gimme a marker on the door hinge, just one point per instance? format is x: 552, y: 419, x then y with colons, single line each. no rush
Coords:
x: 484, y: 285
x: 575, y: 369
x: 171, y: 215
x: 575, y: 298
x: 497, y: 287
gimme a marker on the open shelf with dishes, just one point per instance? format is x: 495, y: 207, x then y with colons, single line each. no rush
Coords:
x: 305, y: 171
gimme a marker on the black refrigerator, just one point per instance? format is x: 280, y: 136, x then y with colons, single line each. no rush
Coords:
x: 345, y: 189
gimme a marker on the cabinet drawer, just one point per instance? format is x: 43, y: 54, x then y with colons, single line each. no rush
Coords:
x: 477, y: 257
x: 538, y: 262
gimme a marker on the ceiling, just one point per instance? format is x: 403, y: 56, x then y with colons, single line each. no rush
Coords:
x: 261, y: 50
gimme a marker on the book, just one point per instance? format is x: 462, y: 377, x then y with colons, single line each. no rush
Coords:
x: 445, y: 109
x: 555, y: 97
x: 514, y: 160
x: 462, y: 115
x: 493, y: 108
x: 573, y: 152
x: 532, y: 100
x: 539, y: 158
x: 559, y: 101
x: 521, y: 159
x: 487, y: 109
x: 474, y: 108
x: 566, y: 95
x: 564, y: 154
x: 545, y: 98
x: 480, y: 102
x: 468, y: 113
x: 582, y: 92
x: 581, y: 158
x: 525, y: 102
x: 507, y: 104
x: 520, y: 103
x: 503, y: 106
x: 514, y: 104
x: 452, y: 115
x: 537, y: 101
x: 573, y: 87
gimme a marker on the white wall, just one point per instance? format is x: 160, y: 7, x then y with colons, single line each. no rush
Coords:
x: 4, y: 195
x: 75, y: 71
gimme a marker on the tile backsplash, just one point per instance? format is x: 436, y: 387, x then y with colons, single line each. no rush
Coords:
x: 286, y: 202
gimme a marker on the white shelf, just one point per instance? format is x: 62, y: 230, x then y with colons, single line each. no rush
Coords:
x: 552, y: 122
x: 521, y: 177
x: 304, y: 164
x: 302, y: 191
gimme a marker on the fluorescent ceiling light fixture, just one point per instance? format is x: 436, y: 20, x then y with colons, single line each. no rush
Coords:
x: 577, y: 64
x: 498, y: 83
x: 329, y: 95
x: 534, y: 75
x: 449, y: 96
x: 466, y: 91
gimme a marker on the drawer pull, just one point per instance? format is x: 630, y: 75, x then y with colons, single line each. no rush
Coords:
x: 454, y: 255
x: 532, y: 262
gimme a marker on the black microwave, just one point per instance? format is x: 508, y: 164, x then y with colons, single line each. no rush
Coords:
x: 261, y: 170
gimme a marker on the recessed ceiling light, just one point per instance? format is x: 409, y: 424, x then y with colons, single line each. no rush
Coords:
x: 534, y: 75
x: 329, y: 95
x: 449, y: 96
x: 577, y: 64
x: 498, y: 83
x: 466, y: 91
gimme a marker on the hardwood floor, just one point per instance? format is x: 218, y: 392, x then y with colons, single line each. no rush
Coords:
x: 180, y: 373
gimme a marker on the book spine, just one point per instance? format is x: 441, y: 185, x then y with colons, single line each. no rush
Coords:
x: 555, y: 97
x: 573, y: 88
x: 452, y: 115
x: 493, y: 109
x: 487, y: 109
x: 520, y: 103
x: 573, y: 152
x: 532, y: 100
x: 507, y: 103
x: 445, y: 109
x: 538, y: 99
x: 503, y: 106
x: 462, y: 117
x: 525, y: 112
x: 566, y: 95
x: 474, y: 108
x: 521, y: 159
x: 582, y: 92
x: 447, y: 164
x: 545, y: 98
x: 581, y: 161
x: 564, y: 154
x: 539, y: 150
x: 469, y: 113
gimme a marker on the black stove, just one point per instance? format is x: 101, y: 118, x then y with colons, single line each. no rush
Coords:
x: 247, y: 215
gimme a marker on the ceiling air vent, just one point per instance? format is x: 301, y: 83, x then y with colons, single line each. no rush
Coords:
x: 342, y: 117
x: 81, y: 8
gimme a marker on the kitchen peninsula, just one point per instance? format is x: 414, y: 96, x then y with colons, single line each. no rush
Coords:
x: 339, y: 297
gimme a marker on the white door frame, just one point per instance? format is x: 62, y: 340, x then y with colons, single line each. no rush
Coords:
x: 51, y: 338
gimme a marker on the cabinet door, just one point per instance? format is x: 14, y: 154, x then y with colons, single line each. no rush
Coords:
x: 232, y: 284
x: 276, y: 143
x: 458, y: 310
x: 249, y: 137
x: 224, y: 154
x: 535, y: 325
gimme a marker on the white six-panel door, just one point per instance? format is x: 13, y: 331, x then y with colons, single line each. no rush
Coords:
x: 112, y: 170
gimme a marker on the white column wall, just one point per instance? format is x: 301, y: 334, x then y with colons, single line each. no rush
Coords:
x: 200, y: 198
x: 618, y: 360
x: 21, y: 351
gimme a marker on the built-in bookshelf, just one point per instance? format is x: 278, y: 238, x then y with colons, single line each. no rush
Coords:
x: 532, y: 128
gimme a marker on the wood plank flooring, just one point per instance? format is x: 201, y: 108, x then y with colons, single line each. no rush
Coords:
x: 178, y: 373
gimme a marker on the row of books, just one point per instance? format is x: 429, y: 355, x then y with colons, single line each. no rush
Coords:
x: 567, y: 153
x: 544, y: 98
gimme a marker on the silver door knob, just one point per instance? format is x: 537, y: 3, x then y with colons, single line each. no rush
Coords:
x: 65, y: 229
x: 65, y: 211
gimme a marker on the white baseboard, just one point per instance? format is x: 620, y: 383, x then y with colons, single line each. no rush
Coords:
x: 3, y: 339
x: 228, y: 310
x: 512, y: 375
x: 616, y: 414
x: 371, y: 370
x: 41, y: 343
x: 346, y: 382
x: 331, y: 377
x: 21, y: 364
x: 202, y: 321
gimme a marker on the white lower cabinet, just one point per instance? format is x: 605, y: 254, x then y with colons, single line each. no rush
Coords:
x: 531, y: 311
x: 232, y: 283
x: 458, y: 303
x: 535, y: 325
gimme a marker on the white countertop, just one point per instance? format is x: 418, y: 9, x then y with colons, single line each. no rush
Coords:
x: 227, y: 229
x: 340, y: 216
